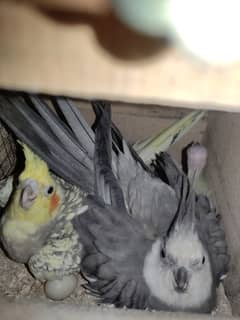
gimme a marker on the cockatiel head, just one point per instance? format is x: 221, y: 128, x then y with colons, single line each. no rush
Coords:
x: 32, y: 209
x: 178, y: 269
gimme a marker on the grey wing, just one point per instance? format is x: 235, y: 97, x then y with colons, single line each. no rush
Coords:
x: 114, y: 244
x: 51, y: 138
x: 114, y: 251
x: 212, y: 235
x: 147, y: 198
x: 106, y: 184
x: 166, y: 169
x: 81, y: 129
x: 152, y: 202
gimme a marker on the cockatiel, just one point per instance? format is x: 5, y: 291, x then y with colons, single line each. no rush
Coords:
x: 178, y: 270
x: 36, y: 226
x: 30, y: 214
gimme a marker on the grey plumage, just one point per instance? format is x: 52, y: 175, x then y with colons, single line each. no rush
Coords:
x: 118, y: 269
x: 174, y: 270
x: 147, y: 198
x: 42, y: 136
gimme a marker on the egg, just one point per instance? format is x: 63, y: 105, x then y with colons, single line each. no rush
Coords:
x: 60, y: 289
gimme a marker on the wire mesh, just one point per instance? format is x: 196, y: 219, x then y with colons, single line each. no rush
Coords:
x: 7, y: 153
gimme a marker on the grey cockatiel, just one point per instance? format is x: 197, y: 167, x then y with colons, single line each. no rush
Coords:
x: 177, y: 267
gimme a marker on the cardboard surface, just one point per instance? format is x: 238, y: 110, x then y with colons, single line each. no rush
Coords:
x: 89, y: 55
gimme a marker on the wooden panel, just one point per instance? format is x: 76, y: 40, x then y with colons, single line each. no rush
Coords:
x: 224, y: 178
x: 92, y: 55
x: 56, y: 311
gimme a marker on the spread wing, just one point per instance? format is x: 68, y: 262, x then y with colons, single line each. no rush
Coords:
x: 147, y: 198
x: 115, y: 248
x: 114, y: 244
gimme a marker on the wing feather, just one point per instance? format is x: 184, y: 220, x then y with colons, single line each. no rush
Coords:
x: 114, y: 255
x: 29, y: 126
x: 212, y: 234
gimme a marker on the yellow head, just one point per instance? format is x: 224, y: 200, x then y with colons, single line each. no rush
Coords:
x: 38, y: 197
x: 35, y: 202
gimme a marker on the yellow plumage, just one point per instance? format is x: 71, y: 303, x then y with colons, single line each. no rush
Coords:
x: 20, y: 221
x: 35, y: 168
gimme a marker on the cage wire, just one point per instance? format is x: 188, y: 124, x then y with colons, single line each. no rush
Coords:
x: 7, y: 152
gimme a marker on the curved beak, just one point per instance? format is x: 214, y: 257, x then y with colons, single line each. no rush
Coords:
x: 29, y: 193
x: 180, y: 279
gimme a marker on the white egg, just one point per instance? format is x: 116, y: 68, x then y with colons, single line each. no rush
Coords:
x: 60, y: 289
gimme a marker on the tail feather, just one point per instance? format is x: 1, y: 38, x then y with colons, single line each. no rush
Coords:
x: 117, y: 138
x: 105, y: 181
x: 78, y: 124
x: 61, y: 132
x: 32, y: 129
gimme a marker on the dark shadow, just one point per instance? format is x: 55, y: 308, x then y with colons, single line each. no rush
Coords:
x: 112, y: 35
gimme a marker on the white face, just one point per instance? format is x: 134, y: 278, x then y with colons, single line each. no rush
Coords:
x: 184, y: 249
x: 179, y: 274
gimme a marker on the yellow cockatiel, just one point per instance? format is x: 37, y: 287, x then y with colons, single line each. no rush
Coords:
x: 34, y: 205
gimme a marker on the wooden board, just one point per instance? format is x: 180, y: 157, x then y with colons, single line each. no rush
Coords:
x: 88, y: 55
x: 59, y: 311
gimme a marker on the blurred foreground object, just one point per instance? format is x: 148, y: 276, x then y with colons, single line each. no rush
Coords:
x: 205, y: 29
x: 91, y: 6
x: 195, y: 26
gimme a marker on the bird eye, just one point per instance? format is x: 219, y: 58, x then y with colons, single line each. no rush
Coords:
x: 49, y: 190
x: 163, y: 253
x: 196, y: 263
x: 203, y: 259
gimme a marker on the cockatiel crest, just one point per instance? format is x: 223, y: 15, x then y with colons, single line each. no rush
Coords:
x: 34, y: 205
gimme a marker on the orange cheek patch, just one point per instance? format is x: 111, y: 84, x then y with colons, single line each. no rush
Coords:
x: 54, y: 203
